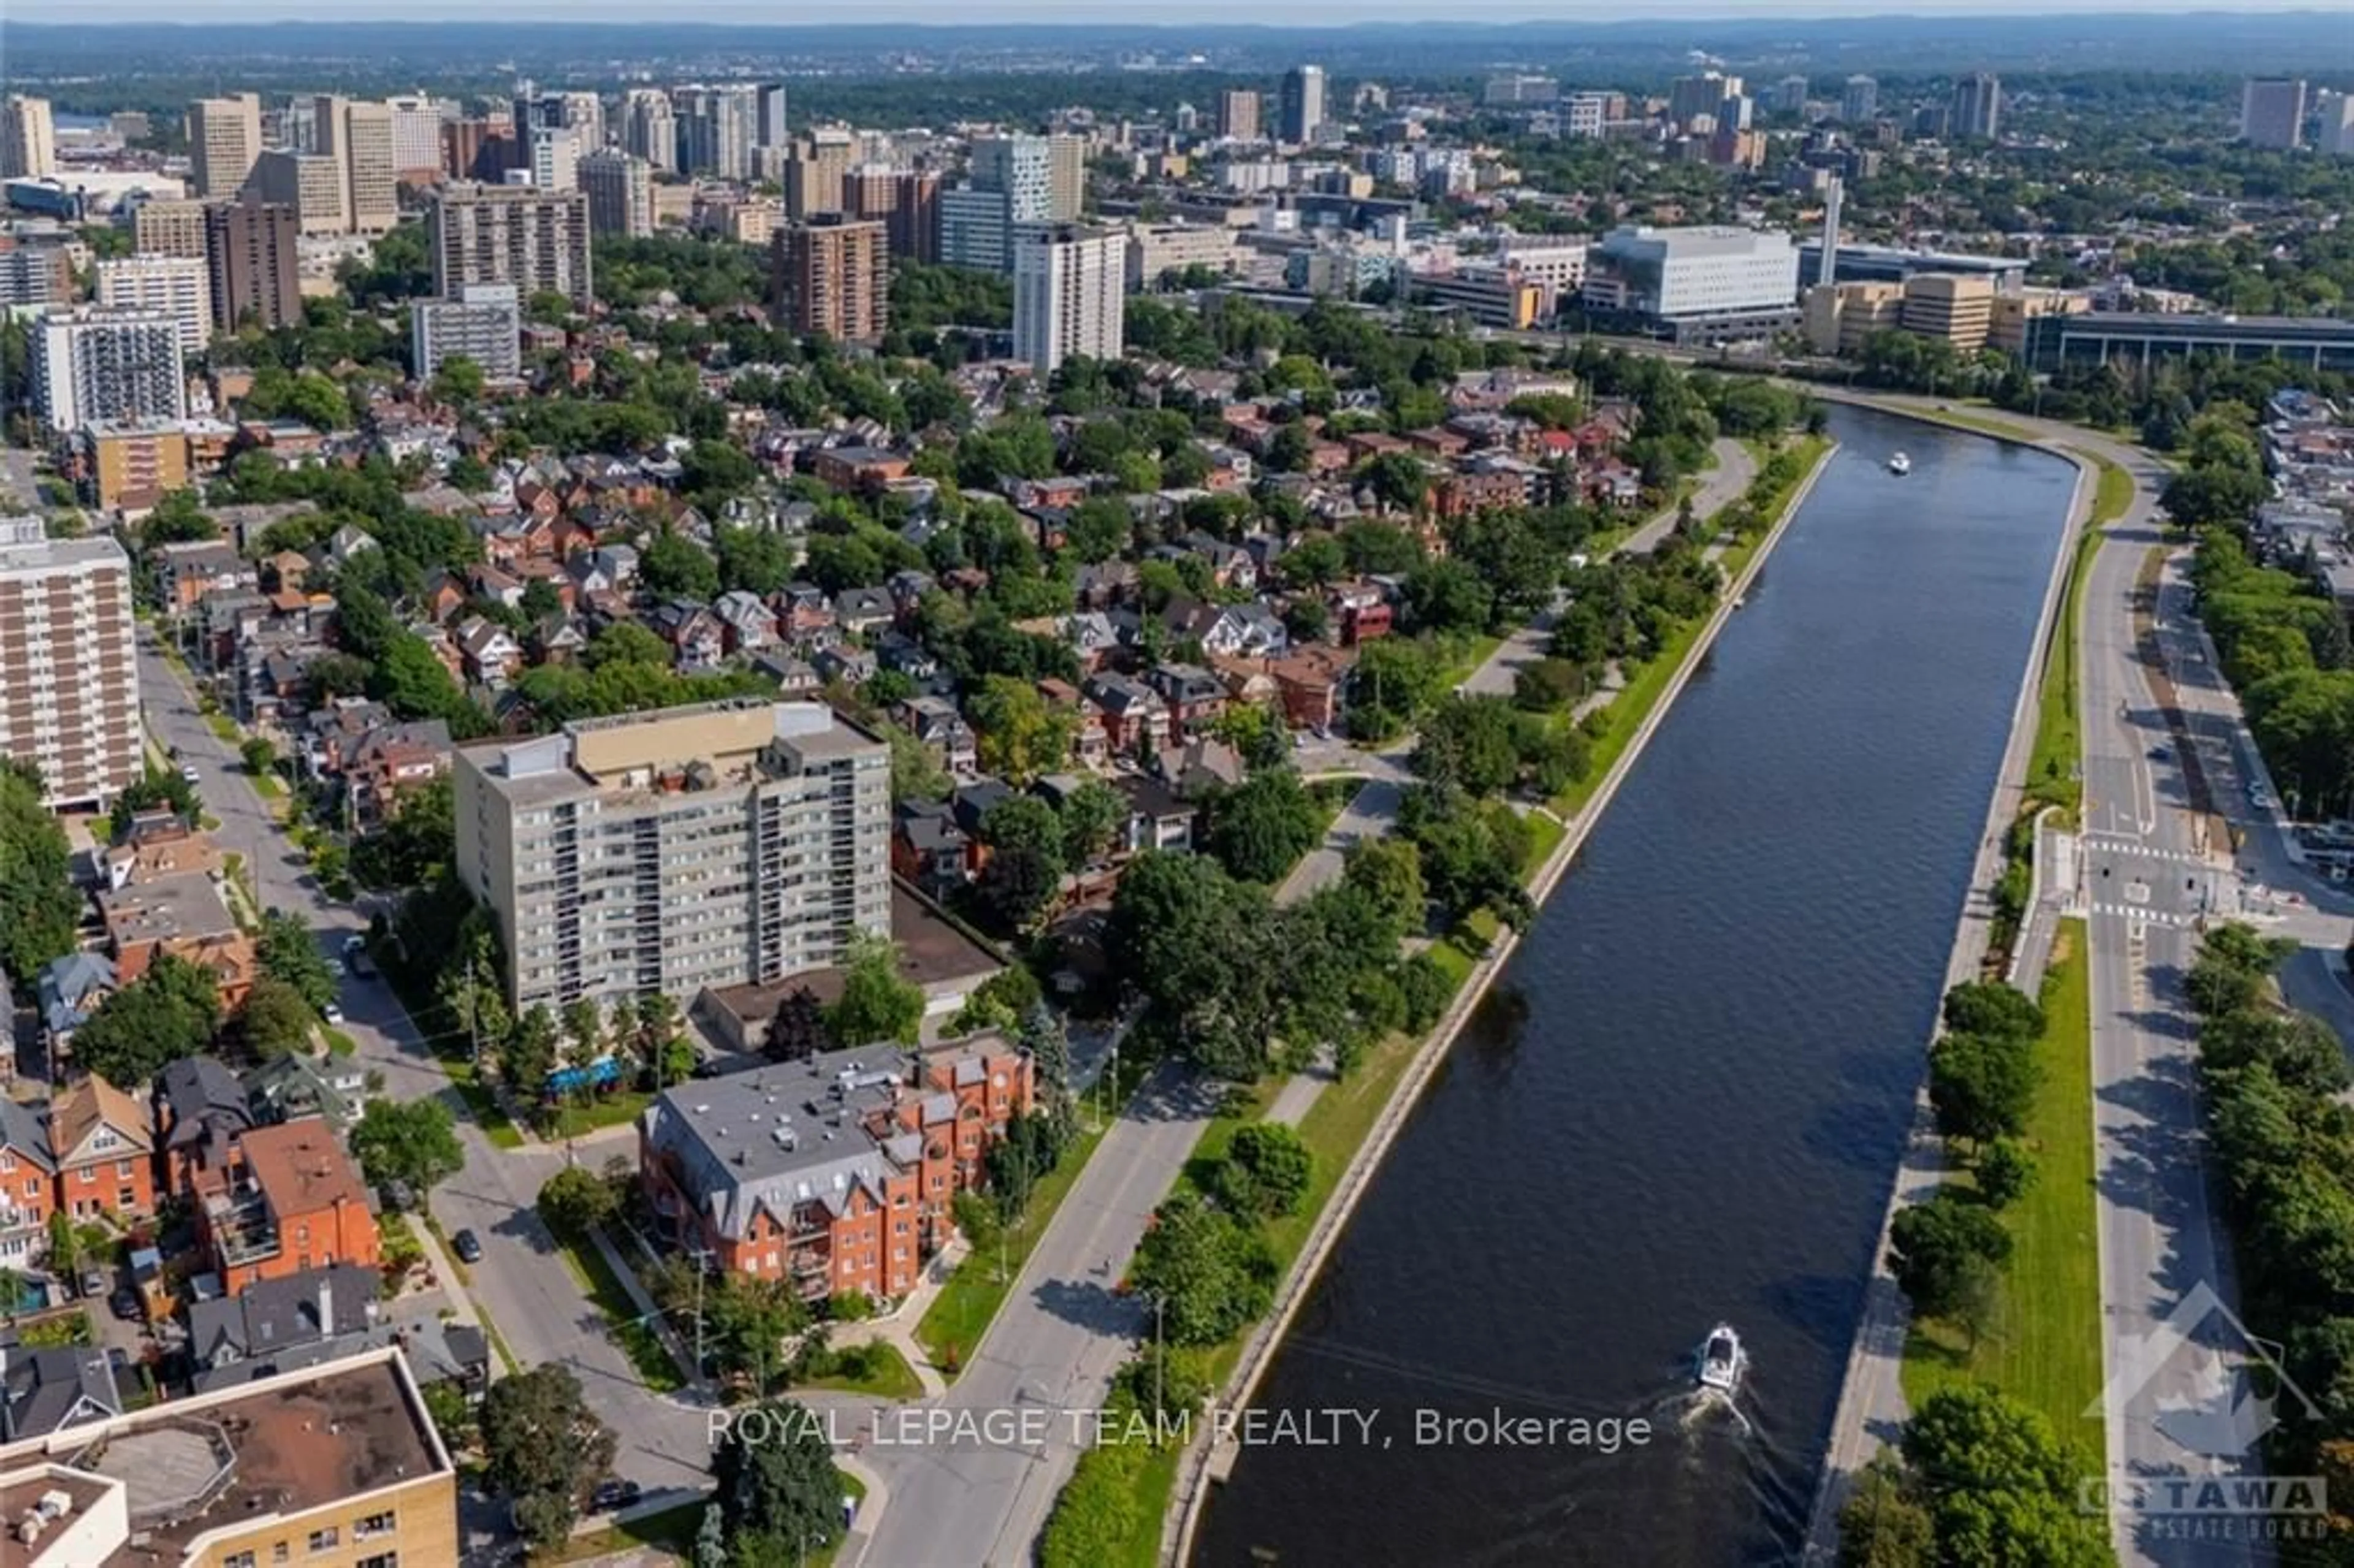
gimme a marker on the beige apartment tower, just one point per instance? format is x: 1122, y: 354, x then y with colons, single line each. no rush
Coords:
x: 832, y: 275
x: 1238, y: 114
x: 309, y: 184
x: 28, y: 139
x: 358, y: 136
x: 537, y: 241
x: 69, y: 672
x: 168, y: 227
x: 224, y: 141
x: 718, y: 844
x: 620, y: 190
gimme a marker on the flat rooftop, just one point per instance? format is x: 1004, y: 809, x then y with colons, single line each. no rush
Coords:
x: 25, y: 548
x: 284, y: 1446
x: 706, y: 746
x: 168, y: 908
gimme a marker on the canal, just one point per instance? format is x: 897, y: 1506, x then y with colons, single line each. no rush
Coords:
x: 1685, y: 1100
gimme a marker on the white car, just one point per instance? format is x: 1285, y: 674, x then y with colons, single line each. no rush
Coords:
x: 332, y: 1014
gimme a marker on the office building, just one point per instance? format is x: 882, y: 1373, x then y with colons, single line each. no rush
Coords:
x: 224, y: 141
x: 309, y: 184
x: 832, y: 275
x: 270, y: 1469
x: 91, y: 363
x: 620, y: 190
x: 973, y: 229
x: 2272, y: 112
x: 1854, y: 263
x: 712, y: 845
x: 1957, y: 308
x: 717, y: 129
x: 1585, y: 114
x: 482, y: 150
x: 1699, y: 103
x: 907, y: 202
x: 483, y: 324
x: 1860, y: 100
x: 648, y: 128
x: 1842, y: 318
x: 1160, y: 253
x: 1069, y: 293
x: 28, y: 139
x: 255, y: 264
x: 2337, y: 127
x: 68, y: 666
x: 1977, y: 110
x: 815, y: 166
x: 178, y: 286
x: 1520, y: 90
x: 1302, y: 104
x: 769, y: 115
x: 837, y: 1175
x: 1043, y: 178
x: 168, y: 226
x: 358, y: 136
x: 1238, y: 114
x: 537, y: 241
x: 1791, y: 95
x: 555, y: 158
x: 2135, y: 343
x: 1698, y: 285
x: 416, y: 138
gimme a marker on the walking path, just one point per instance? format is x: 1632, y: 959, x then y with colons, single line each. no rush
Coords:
x: 1203, y: 1461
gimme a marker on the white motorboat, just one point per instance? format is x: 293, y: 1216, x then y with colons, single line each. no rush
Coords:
x: 1722, y: 1360
x: 1900, y: 464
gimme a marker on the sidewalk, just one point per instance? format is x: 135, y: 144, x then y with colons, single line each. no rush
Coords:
x: 897, y: 1327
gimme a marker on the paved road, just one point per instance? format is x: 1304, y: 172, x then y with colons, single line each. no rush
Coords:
x: 520, y: 1284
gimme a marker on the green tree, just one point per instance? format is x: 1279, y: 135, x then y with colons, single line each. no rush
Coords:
x: 414, y: 1142
x: 1205, y: 1273
x: 1025, y: 872
x: 1043, y: 1036
x: 1945, y: 1252
x: 1092, y: 817
x: 1998, y: 1486
x: 1989, y: 1007
x: 576, y: 1200
x: 290, y: 954
x: 528, y: 1051
x: 1019, y: 734
x: 1266, y: 1169
x: 544, y: 1448
x: 1882, y: 1525
x: 674, y: 567
x: 755, y: 560
x: 779, y: 1495
x: 170, y: 1011
x: 798, y: 1028
x: 2005, y: 1170
x: 1260, y: 827
x: 1471, y: 743
x: 274, y: 1018
x: 39, y: 906
x: 877, y: 1002
x: 1389, y: 871
x: 458, y: 380
x: 1982, y: 1086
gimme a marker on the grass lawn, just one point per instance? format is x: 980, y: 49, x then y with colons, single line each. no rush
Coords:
x: 341, y: 1043
x: 2051, y: 766
x: 221, y: 726
x: 578, y: 1118
x: 1545, y: 834
x: 2041, y: 1342
x: 960, y: 1314
x: 672, y: 1530
x: 1984, y: 424
x: 891, y: 1378
x: 606, y: 1292
x: 432, y: 1021
x: 2115, y: 493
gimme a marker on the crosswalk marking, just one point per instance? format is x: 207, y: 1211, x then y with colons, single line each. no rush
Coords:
x: 2148, y: 916
x: 2104, y: 844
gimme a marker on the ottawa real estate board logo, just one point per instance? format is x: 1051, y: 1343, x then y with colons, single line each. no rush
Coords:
x: 2213, y: 1391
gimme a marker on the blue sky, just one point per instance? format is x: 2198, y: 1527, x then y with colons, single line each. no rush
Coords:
x: 1296, y: 13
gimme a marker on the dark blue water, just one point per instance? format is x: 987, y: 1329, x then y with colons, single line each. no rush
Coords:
x: 1686, y: 1100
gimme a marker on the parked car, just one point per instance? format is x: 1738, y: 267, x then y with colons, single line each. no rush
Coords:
x: 332, y: 1014
x: 614, y: 1494
x: 188, y: 772
x: 93, y: 1284
x: 355, y: 953
x: 128, y: 1305
x: 468, y: 1246
x: 398, y: 1197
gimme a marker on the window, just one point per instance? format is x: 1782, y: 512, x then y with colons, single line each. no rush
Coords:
x: 375, y: 1524
x: 238, y: 1559
x: 282, y: 1552
x: 122, y: 1170
x: 380, y: 1559
x: 325, y: 1539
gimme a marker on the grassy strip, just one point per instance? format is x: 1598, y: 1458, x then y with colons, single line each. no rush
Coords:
x: 2042, y: 1339
x: 1984, y: 424
x: 341, y: 1043
x: 431, y: 1019
x: 2114, y: 497
x: 670, y: 1529
x: 1625, y: 713
x: 960, y: 1314
x: 609, y: 1296
x: 2051, y: 766
x: 891, y: 1377
x: 578, y: 1118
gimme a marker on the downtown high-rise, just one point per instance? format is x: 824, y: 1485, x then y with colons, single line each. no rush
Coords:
x: 69, y: 671
x: 536, y: 239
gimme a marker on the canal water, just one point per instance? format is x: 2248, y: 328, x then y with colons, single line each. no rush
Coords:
x: 1685, y: 1100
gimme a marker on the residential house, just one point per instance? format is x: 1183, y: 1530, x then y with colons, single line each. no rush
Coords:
x: 746, y: 622
x: 347, y: 541
x: 201, y: 1110
x: 158, y: 842
x: 898, y: 652
x: 391, y: 760
x: 292, y: 1087
x: 970, y: 804
x: 289, y: 1199
x: 1157, y: 818
x: 851, y: 666
x: 67, y: 992
x: 29, y: 1185
x: 1359, y: 612
x: 44, y: 1389
x: 102, y: 1151
x: 186, y: 916
x: 1093, y: 637
x: 186, y: 571
x: 864, y: 471
x: 485, y: 581
x: 802, y: 608
x: 697, y: 639
x: 928, y: 848
x: 942, y: 730
x: 1198, y: 767
x: 862, y: 611
x: 1132, y: 715
x: 1231, y: 566
x: 1101, y: 584
x: 1194, y: 697
x: 558, y: 639
x: 1234, y: 631
x: 444, y: 595
x: 491, y: 655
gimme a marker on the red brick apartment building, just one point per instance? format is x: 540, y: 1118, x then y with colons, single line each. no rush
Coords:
x: 837, y: 1173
